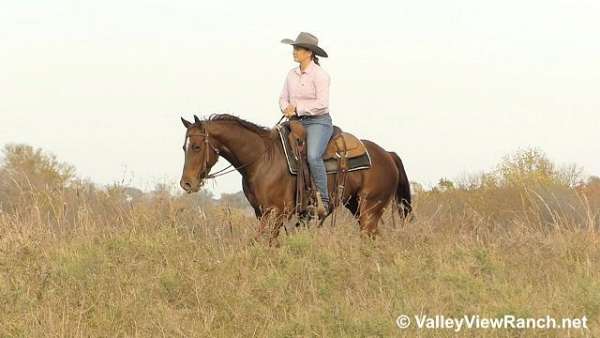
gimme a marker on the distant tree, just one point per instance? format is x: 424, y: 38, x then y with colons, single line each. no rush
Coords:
x: 206, y: 195
x: 133, y: 192
x: 593, y: 180
x: 28, y: 166
x: 416, y: 187
x: 570, y: 175
x: 201, y: 199
x: 445, y: 184
x: 236, y: 200
x: 27, y: 173
x: 162, y: 190
x: 524, y: 166
x: 481, y: 180
x: 532, y: 165
x: 591, y: 186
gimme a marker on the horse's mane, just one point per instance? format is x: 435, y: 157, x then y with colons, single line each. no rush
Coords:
x: 260, y: 130
x: 268, y: 135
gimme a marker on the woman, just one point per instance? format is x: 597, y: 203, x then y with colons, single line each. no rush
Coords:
x: 305, y: 94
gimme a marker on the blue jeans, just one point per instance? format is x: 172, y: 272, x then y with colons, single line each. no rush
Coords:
x: 318, y: 132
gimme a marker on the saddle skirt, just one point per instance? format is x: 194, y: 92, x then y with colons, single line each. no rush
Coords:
x: 341, y: 144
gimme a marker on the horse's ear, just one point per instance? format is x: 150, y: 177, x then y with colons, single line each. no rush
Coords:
x: 186, y: 123
x: 196, y: 119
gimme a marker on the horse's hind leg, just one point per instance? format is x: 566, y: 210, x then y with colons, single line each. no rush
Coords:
x: 370, y: 212
x: 352, y: 205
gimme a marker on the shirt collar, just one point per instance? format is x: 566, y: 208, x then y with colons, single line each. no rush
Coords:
x: 308, y: 69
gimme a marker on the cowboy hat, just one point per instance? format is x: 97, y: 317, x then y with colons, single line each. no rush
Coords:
x: 308, y: 41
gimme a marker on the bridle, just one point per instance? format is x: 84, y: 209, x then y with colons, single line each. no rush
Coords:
x: 217, y: 153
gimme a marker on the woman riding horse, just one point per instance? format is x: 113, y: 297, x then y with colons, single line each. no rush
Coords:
x: 305, y: 96
x: 257, y: 154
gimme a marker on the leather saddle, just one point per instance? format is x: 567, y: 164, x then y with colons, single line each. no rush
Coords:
x: 344, y: 153
x: 341, y: 143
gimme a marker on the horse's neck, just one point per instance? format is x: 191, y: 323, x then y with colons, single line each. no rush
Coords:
x: 239, y: 146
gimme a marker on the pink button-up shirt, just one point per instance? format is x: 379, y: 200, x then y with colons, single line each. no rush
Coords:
x: 307, y: 90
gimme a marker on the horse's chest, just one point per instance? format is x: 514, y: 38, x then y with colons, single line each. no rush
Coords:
x: 249, y: 192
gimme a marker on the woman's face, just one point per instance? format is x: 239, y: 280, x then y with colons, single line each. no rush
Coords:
x: 301, y: 54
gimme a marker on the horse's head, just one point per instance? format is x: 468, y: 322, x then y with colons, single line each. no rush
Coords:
x: 201, y: 154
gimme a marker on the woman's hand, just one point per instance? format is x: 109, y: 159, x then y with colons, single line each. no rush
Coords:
x: 290, y: 111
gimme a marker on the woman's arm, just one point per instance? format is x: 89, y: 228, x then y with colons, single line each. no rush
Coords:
x: 320, y: 104
x: 284, y: 97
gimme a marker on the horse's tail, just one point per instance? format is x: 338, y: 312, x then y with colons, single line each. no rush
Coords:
x: 403, y: 197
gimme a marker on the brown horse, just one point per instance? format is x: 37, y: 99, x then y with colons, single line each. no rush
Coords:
x: 403, y: 197
x: 256, y: 152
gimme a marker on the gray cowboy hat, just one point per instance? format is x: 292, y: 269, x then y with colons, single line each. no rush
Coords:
x: 308, y: 41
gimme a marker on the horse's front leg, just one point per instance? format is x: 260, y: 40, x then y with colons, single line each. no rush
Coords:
x: 274, y: 237
x: 271, y: 220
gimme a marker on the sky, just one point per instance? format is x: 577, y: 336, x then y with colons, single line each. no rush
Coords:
x: 451, y: 86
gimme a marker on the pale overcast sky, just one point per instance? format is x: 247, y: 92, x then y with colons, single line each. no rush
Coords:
x: 451, y: 86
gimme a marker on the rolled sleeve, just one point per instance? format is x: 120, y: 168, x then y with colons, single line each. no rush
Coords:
x: 284, y: 96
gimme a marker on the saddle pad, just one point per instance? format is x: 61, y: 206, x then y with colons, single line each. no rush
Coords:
x: 331, y: 165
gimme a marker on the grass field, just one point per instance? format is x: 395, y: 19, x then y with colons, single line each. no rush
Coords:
x: 80, y: 260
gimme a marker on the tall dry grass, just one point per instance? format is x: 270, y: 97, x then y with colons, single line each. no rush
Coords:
x: 81, y: 260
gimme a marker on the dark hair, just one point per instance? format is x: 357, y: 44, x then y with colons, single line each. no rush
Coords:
x: 315, y: 58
